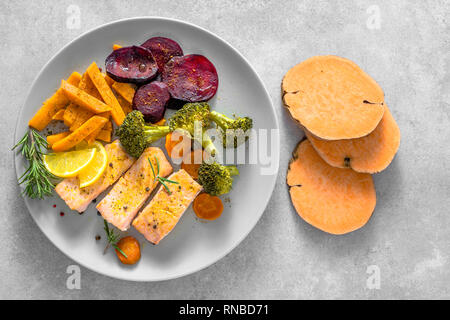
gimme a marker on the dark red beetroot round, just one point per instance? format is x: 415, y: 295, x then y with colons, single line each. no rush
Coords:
x: 191, y: 78
x: 163, y: 49
x: 151, y: 100
x: 175, y: 104
x: 131, y: 64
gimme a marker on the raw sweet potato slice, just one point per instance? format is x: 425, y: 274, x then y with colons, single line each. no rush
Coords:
x: 370, y: 154
x: 52, y: 105
x: 333, y: 98
x: 331, y: 199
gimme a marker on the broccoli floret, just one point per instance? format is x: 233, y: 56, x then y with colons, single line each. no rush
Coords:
x: 135, y: 135
x: 234, y: 131
x: 188, y: 114
x: 186, y: 117
x: 215, y: 178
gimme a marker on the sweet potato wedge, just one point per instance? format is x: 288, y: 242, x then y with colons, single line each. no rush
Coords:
x: 89, y: 87
x: 110, y: 81
x: 105, y: 91
x: 84, y: 100
x: 126, y: 106
x: 333, y: 98
x: 91, y: 138
x: 80, y: 134
x: 70, y: 114
x: 52, y: 105
x: 81, y: 115
x: 334, y: 200
x: 51, y: 139
x: 370, y: 154
x: 108, y: 126
x: 104, y: 135
x: 116, y: 46
x: 59, y: 116
x: 125, y: 90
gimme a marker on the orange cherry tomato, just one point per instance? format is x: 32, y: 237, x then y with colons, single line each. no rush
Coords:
x: 208, y: 207
x: 182, y: 143
x: 130, y: 246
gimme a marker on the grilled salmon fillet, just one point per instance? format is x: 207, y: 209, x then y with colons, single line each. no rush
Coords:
x: 128, y: 195
x: 164, y: 211
x: 79, y: 199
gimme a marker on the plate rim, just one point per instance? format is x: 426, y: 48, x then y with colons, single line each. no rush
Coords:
x: 277, y: 155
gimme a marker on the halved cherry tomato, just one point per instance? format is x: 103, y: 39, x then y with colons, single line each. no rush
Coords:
x: 208, y: 207
x: 172, y: 146
x: 130, y: 246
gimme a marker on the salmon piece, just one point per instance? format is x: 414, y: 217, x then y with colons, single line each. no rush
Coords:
x: 161, y: 215
x: 79, y: 199
x: 123, y: 202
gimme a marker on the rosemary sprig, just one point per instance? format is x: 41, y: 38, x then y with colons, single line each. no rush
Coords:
x: 112, y: 239
x: 158, y: 177
x: 37, y: 180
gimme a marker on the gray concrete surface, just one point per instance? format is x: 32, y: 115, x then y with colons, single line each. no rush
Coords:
x: 408, y: 237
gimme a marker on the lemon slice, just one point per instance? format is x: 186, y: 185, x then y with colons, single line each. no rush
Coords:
x: 68, y: 164
x: 96, y: 167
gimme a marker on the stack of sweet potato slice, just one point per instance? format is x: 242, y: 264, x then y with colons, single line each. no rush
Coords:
x: 88, y: 105
x: 351, y: 135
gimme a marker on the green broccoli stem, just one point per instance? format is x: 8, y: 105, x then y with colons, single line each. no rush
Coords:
x: 233, y: 170
x: 221, y: 120
x: 155, y: 133
x: 208, y: 145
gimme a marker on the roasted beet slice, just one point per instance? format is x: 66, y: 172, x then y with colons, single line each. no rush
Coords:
x: 175, y: 104
x: 151, y: 100
x: 163, y: 49
x: 191, y: 78
x: 131, y: 64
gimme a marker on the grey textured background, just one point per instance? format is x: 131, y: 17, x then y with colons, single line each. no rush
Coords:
x: 408, y: 237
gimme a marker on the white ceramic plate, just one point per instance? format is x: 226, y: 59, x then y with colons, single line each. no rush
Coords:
x: 193, y: 244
